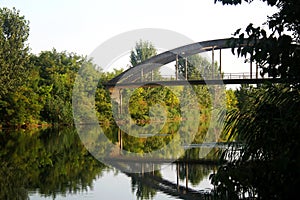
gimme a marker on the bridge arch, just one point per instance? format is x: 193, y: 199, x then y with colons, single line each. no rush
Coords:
x: 134, y: 73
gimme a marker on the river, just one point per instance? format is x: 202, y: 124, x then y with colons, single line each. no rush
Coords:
x: 53, y: 163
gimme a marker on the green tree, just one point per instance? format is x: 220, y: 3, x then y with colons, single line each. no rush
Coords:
x: 142, y: 51
x: 277, y: 54
x: 231, y: 99
x: 266, y: 121
x: 14, y: 53
x: 143, y: 98
x: 141, y: 188
x: 57, y: 73
x: 198, y: 67
x: 103, y: 102
x: 269, y: 160
x: 23, y: 106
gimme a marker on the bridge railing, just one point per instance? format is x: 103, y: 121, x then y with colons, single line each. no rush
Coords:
x: 224, y: 76
x: 241, y: 75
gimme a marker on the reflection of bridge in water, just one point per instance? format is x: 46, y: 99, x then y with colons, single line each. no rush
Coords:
x: 169, y: 188
x: 142, y: 75
x: 150, y: 180
x: 184, y: 167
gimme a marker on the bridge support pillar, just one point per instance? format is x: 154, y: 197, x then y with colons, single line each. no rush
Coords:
x: 120, y: 101
x: 186, y: 176
x: 186, y: 68
x: 153, y: 169
x: 212, y: 62
x: 116, y: 94
x: 220, y: 62
x: 142, y: 75
x: 256, y: 72
x: 176, y: 68
x: 151, y: 75
x: 177, y: 171
x: 250, y: 68
x: 120, y: 141
x: 142, y: 169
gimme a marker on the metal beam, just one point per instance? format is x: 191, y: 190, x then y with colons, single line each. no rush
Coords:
x: 256, y: 73
x: 212, y: 62
x: 220, y: 61
x: 186, y: 68
x: 198, y: 82
x: 169, y: 56
x: 176, y: 68
x: 250, y: 68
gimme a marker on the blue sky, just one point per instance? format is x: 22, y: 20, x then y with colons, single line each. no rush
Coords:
x: 81, y: 25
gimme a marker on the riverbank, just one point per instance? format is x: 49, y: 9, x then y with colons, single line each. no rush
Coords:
x: 32, y: 126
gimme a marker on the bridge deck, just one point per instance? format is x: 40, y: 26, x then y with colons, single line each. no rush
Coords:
x: 195, y: 82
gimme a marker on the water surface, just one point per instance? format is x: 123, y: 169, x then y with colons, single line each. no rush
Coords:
x: 54, y: 164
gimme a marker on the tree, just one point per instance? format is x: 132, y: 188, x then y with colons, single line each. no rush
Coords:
x: 269, y: 160
x: 198, y: 67
x: 14, y: 53
x: 277, y: 54
x: 266, y: 118
x: 57, y: 74
x: 142, y: 51
x: 22, y: 107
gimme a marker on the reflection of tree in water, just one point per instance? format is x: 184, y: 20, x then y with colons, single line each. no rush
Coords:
x: 134, y: 143
x: 145, y: 185
x: 52, y: 161
x: 141, y: 189
x: 197, y: 172
x: 209, y: 153
x: 12, y: 182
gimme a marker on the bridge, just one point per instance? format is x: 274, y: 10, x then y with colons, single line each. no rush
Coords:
x: 143, y: 73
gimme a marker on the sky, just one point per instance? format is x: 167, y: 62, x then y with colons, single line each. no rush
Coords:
x: 81, y: 25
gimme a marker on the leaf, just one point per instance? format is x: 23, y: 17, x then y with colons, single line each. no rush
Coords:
x: 237, y: 31
x: 239, y: 51
x: 249, y: 28
x: 264, y: 34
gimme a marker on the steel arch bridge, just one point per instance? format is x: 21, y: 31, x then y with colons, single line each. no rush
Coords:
x: 133, y: 77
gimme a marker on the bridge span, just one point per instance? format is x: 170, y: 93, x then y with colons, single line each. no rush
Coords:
x: 142, y: 74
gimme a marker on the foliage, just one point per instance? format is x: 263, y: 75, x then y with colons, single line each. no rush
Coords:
x: 57, y: 73
x: 266, y: 120
x: 196, y: 172
x: 142, y: 51
x: 269, y: 160
x: 46, y: 95
x: 51, y: 160
x: 144, y: 98
x: 198, y: 67
x: 278, y: 53
x: 286, y: 19
x: 14, y: 53
x: 141, y: 188
x: 231, y: 100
